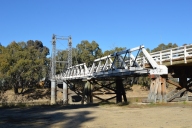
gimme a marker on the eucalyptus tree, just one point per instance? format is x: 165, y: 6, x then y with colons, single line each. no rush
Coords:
x: 163, y: 46
x: 116, y: 49
x: 87, y: 52
x: 23, y: 64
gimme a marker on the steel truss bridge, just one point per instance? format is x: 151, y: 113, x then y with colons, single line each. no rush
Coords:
x: 159, y: 66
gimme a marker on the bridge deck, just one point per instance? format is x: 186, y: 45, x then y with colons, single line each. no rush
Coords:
x: 119, y: 64
x: 177, y: 61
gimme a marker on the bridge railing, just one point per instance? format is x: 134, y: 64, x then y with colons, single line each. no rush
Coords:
x: 122, y: 63
x: 170, y: 55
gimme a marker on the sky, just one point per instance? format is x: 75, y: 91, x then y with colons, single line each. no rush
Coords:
x: 111, y: 23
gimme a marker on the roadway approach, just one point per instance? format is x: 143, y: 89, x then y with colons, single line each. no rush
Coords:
x: 106, y: 71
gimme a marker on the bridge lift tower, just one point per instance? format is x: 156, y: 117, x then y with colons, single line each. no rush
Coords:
x: 54, y: 61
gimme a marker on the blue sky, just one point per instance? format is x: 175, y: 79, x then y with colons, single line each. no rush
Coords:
x: 111, y: 23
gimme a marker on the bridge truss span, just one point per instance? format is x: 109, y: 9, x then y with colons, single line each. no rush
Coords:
x: 162, y: 67
x: 118, y: 64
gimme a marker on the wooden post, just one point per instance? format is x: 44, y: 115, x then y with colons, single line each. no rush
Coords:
x: 120, y: 91
x: 157, y: 89
x: 123, y: 92
x: 91, y: 93
x: 87, y: 91
x: 152, y: 88
x: 183, y: 83
x: 163, y: 89
x: 84, y: 93
x: 157, y: 82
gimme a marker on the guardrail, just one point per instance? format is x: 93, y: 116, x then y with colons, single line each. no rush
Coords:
x: 182, y: 52
x: 122, y: 63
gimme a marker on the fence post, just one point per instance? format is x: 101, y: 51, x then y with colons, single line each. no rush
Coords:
x: 185, y: 54
x: 171, y: 55
x: 160, y: 58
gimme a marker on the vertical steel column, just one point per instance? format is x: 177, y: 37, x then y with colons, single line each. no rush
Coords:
x: 65, y: 95
x: 53, y: 81
x: 69, y: 52
x: 53, y: 59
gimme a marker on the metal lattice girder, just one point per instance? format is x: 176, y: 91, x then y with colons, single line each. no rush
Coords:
x: 122, y: 63
x: 69, y: 51
x: 53, y: 64
x: 69, y: 59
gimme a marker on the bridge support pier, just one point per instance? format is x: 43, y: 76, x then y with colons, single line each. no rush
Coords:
x: 87, y: 91
x: 53, y: 91
x: 157, y: 90
x: 65, y: 93
x: 120, y: 91
x: 183, y: 84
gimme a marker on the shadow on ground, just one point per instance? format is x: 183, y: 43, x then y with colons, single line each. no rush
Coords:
x: 45, y: 116
x: 36, y: 94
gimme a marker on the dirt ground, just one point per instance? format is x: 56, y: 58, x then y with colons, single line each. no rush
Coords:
x: 38, y: 95
x: 134, y: 115
x: 102, y: 116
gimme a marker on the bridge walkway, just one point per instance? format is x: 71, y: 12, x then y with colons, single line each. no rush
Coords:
x: 160, y: 66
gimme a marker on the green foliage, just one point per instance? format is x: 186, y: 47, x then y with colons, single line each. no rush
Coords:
x: 116, y: 49
x: 62, y: 56
x: 23, y: 64
x: 87, y: 52
x: 162, y: 46
x: 145, y: 81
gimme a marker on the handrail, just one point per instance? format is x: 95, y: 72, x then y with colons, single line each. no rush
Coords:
x: 170, y: 54
x: 117, y: 64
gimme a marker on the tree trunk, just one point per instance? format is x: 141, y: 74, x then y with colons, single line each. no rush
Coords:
x: 15, y: 89
x: 21, y: 84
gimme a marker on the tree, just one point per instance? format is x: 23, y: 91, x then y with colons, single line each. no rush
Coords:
x: 88, y: 52
x: 24, y: 64
x: 62, y: 58
x: 116, y: 49
x: 162, y: 46
x: 145, y: 81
